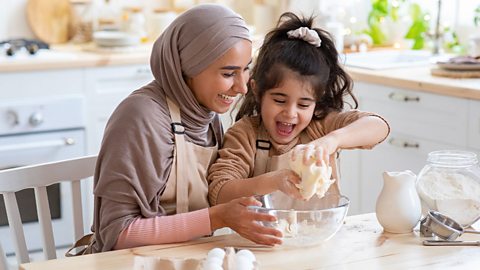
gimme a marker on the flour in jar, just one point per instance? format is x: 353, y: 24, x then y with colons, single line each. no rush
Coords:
x: 453, y: 194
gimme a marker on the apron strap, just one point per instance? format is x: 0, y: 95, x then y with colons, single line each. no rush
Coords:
x: 263, y: 146
x: 178, y: 131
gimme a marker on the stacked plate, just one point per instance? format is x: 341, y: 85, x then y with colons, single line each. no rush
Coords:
x: 115, y: 39
x: 458, y: 67
x: 461, y: 63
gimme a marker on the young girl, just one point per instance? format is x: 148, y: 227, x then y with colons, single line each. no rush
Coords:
x: 294, y: 109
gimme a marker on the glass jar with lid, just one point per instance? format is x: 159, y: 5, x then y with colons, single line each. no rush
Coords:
x: 450, y: 184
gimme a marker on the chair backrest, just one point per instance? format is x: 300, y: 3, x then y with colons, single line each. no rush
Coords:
x: 3, y: 260
x: 39, y: 177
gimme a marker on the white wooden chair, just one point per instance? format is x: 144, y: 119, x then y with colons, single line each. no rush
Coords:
x: 3, y: 260
x: 39, y: 177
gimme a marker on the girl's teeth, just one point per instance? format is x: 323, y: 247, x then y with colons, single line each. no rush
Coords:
x: 286, y: 124
x: 227, y: 97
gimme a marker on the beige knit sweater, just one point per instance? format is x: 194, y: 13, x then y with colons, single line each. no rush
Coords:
x: 237, y: 157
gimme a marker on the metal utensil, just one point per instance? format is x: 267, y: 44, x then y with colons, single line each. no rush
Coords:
x: 442, y: 226
x: 450, y: 243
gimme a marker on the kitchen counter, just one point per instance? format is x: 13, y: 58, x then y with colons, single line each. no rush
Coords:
x: 360, y: 244
x: 75, y: 56
x: 420, y: 79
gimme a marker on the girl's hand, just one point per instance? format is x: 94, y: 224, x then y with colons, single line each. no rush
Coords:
x: 316, y: 151
x: 236, y: 215
x: 285, y: 180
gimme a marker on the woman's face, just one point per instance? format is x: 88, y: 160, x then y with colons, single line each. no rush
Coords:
x: 217, y: 86
x: 287, y: 109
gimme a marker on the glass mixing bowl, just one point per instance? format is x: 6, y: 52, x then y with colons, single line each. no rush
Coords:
x: 305, y: 223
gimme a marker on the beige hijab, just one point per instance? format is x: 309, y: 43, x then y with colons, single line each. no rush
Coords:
x: 137, y: 149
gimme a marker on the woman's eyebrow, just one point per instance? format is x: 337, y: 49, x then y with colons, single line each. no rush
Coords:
x: 235, y: 67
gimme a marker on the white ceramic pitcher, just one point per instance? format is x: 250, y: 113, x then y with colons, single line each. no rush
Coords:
x: 398, y: 206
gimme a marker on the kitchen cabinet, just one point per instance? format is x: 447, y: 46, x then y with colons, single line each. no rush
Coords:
x: 40, y: 84
x: 474, y: 125
x: 420, y: 123
x: 105, y: 88
x: 102, y: 87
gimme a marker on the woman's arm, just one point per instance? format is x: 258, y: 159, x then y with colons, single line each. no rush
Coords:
x: 165, y: 229
x: 187, y: 226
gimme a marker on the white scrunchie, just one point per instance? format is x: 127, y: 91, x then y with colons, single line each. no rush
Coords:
x: 306, y: 34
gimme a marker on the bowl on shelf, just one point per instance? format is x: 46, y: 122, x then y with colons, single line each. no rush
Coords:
x: 305, y: 223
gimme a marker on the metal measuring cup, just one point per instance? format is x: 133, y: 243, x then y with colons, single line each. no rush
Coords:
x: 442, y: 226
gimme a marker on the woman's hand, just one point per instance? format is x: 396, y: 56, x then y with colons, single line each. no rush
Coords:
x: 316, y: 151
x: 239, y: 218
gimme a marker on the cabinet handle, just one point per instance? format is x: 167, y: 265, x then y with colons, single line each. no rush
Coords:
x: 34, y: 145
x: 403, y: 97
x: 403, y: 143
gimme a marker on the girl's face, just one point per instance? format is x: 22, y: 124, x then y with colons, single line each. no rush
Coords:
x: 287, y: 109
x: 217, y: 86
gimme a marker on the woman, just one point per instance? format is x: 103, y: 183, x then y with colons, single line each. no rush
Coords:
x: 150, y: 179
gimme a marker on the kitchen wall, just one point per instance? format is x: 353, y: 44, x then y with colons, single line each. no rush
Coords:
x: 13, y: 19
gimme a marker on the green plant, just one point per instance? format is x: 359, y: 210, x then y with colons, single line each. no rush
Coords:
x: 451, y: 42
x: 476, y: 16
x: 383, y: 9
x: 419, y: 27
x: 380, y: 10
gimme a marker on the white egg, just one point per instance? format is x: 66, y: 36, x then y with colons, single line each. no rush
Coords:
x: 207, y: 265
x: 246, y: 253
x: 243, y: 263
x: 215, y: 260
x: 216, y: 252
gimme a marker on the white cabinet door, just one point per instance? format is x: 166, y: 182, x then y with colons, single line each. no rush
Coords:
x: 420, y: 123
x: 474, y: 124
x: 105, y: 88
x: 349, y: 174
x: 40, y: 84
x: 423, y: 115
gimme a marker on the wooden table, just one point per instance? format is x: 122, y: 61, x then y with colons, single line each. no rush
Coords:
x: 360, y: 244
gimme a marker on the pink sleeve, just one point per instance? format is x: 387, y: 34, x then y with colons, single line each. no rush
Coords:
x: 165, y: 229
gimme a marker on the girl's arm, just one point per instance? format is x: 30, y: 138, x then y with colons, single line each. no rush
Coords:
x: 283, y: 180
x: 364, y: 132
x: 229, y: 175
